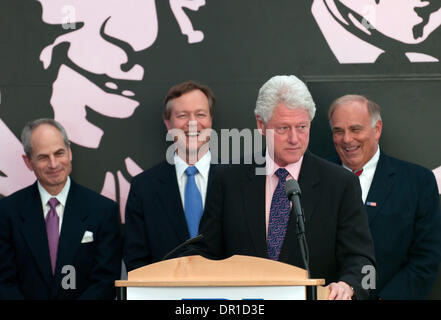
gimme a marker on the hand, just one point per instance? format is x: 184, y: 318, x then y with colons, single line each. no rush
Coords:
x: 340, y: 291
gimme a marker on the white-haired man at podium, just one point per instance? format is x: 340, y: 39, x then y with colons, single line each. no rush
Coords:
x: 248, y: 212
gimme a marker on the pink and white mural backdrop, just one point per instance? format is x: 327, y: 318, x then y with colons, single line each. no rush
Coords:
x: 101, y: 37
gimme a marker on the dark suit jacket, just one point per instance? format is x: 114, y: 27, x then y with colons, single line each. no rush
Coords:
x: 155, y: 218
x: 335, y: 221
x: 25, y: 269
x: 406, y: 228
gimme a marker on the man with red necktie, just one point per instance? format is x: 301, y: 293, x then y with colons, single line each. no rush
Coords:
x: 58, y: 240
x: 401, y: 201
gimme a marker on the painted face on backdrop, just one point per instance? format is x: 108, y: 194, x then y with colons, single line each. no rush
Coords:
x: 290, y: 129
x: 359, y: 31
x: 97, y: 72
x: 355, y: 140
x: 190, y: 114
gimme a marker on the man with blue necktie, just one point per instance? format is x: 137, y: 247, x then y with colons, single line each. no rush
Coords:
x: 58, y: 240
x: 166, y: 202
x: 401, y: 200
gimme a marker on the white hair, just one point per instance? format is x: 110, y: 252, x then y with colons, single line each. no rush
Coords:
x: 288, y: 90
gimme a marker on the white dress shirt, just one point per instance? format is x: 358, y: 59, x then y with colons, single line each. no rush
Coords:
x: 367, y: 175
x: 61, y: 197
x: 201, y: 178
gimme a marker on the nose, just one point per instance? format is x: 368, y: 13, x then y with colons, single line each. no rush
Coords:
x: 53, y: 162
x: 142, y: 16
x: 192, y: 124
x: 292, y: 137
x: 347, y: 137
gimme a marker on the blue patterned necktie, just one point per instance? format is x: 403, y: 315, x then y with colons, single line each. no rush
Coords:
x: 193, y: 202
x: 279, y: 215
x: 52, y: 229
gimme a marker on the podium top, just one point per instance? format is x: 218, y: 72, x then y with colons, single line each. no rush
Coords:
x: 195, y: 271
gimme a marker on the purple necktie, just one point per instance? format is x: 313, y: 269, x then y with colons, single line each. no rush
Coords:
x: 279, y: 215
x: 52, y: 229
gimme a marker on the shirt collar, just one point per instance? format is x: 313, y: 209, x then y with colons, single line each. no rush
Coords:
x: 203, y: 165
x: 292, y: 168
x: 371, y: 164
x: 61, y: 197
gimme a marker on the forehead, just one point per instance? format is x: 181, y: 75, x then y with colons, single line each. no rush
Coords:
x: 284, y: 114
x: 45, y: 139
x: 189, y: 101
x: 351, y: 112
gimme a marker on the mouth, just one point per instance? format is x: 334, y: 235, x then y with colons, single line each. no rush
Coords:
x: 192, y: 134
x: 351, y: 149
x: 55, y: 172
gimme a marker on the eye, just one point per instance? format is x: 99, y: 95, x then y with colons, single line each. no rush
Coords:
x: 282, y: 129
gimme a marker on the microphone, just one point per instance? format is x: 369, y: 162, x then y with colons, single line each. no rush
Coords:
x: 292, y: 190
x: 183, y: 244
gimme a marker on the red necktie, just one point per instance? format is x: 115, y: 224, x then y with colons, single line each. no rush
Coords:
x: 358, y: 172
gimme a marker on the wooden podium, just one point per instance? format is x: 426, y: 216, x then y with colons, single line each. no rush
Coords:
x: 235, y: 278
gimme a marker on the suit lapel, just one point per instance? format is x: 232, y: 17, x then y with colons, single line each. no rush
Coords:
x: 34, y: 231
x: 254, y: 204
x: 72, y: 228
x: 308, y: 182
x: 381, y: 186
x: 170, y: 198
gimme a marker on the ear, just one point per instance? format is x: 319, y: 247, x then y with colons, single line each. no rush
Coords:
x: 378, y: 129
x: 260, y: 125
x: 167, y: 124
x: 27, y: 161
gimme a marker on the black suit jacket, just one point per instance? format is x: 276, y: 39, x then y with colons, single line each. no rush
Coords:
x: 25, y: 269
x: 336, y: 224
x: 406, y: 228
x: 155, y: 218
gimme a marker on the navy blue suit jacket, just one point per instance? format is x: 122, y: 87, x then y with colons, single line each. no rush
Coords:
x: 25, y: 269
x: 155, y: 219
x: 406, y: 228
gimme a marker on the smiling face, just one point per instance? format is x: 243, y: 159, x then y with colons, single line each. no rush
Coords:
x: 355, y: 140
x: 50, y: 158
x: 190, y: 114
x: 290, y: 129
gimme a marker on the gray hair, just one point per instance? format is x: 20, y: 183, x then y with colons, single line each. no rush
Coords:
x: 288, y: 90
x: 32, y: 125
x: 373, y: 108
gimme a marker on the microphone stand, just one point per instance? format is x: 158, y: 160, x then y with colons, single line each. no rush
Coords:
x: 300, y: 222
x: 184, y: 244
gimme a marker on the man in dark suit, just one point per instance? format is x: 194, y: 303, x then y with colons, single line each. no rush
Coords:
x: 58, y: 240
x: 247, y: 212
x: 401, y: 200
x: 166, y: 202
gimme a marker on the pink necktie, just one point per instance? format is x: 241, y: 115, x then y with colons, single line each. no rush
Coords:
x: 52, y: 229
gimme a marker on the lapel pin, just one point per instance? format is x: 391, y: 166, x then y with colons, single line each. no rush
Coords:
x: 371, y: 204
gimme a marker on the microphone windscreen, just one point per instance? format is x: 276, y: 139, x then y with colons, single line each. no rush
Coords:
x: 292, y: 187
